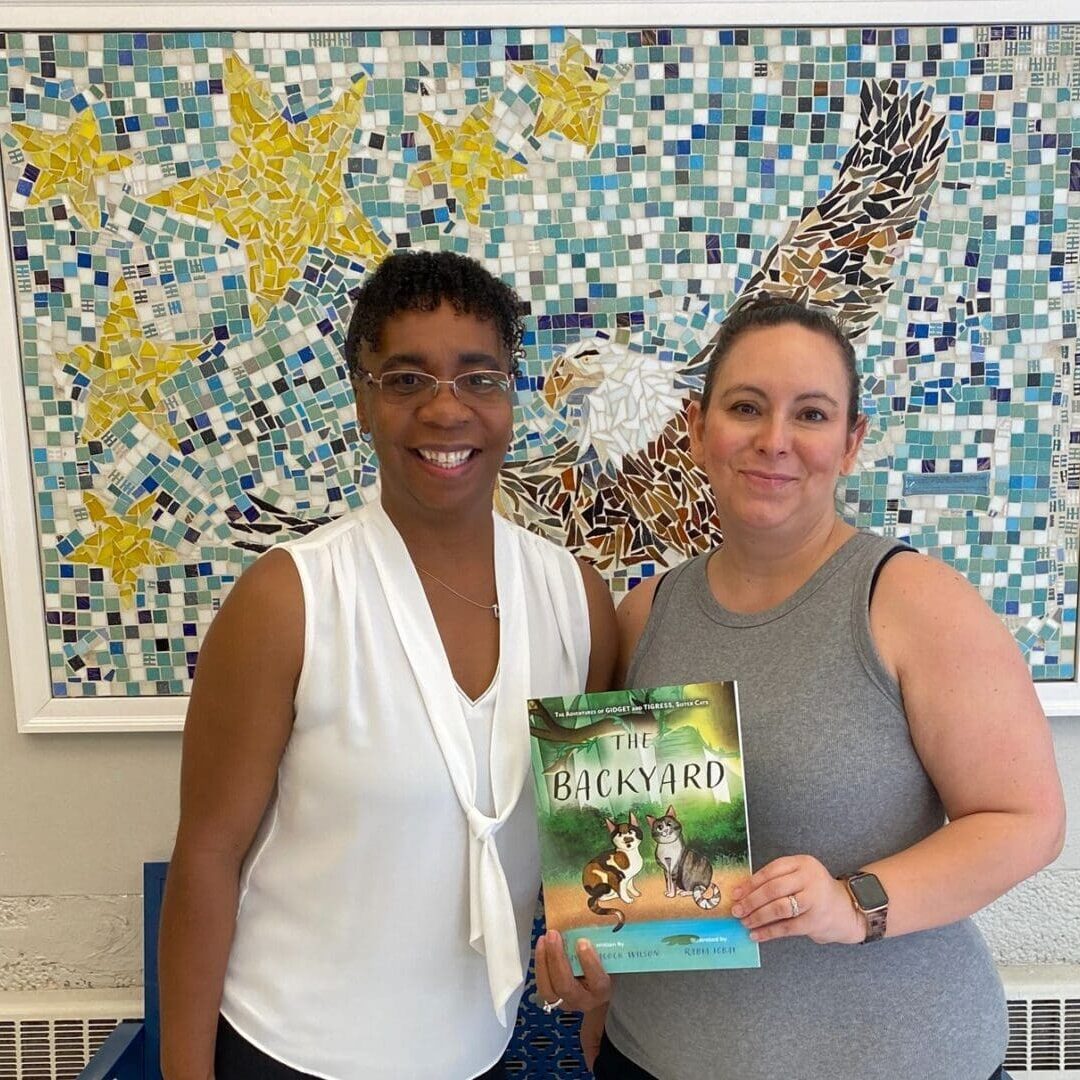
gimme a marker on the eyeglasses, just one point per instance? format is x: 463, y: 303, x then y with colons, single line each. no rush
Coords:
x: 418, y: 387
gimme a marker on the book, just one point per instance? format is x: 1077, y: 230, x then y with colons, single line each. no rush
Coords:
x: 643, y: 830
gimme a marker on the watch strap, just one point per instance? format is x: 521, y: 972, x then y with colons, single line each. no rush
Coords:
x: 875, y: 924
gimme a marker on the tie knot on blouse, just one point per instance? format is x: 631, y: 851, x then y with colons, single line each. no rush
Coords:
x: 480, y: 824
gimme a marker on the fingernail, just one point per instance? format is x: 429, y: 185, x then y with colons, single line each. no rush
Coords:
x: 556, y: 939
x: 737, y: 910
x: 755, y: 936
x: 582, y: 945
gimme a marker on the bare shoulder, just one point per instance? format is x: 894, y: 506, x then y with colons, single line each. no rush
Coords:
x: 632, y: 615
x: 270, y: 586
x: 261, y: 619
x: 258, y: 635
x: 637, y: 603
x: 974, y: 716
x: 911, y: 568
x: 602, y: 632
x: 240, y: 715
x: 934, y: 631
x: 596, y: 589
x: 916, y: 593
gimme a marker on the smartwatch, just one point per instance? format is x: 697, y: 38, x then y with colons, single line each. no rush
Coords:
x: 870, y: 898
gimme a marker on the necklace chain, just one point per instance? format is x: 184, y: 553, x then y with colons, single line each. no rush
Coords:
x: 493, y: 608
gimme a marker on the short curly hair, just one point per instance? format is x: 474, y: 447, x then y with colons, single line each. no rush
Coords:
x: 421, y: 281
x: 768, y: 309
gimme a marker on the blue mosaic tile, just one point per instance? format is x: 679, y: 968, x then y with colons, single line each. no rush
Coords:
x: 182, y: 280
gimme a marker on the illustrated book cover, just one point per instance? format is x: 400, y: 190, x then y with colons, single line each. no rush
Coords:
x: 643, y: 830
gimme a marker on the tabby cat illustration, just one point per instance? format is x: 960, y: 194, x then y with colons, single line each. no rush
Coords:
x: 610, y: 876
x: 686, y: 871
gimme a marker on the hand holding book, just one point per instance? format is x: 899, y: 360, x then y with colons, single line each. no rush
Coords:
x: 822, y: 909
x: 555, y: 981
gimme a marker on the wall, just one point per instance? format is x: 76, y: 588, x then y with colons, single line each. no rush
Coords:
x: 79, y: 814
x: 1039, y: 921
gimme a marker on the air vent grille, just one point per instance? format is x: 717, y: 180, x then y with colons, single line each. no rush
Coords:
x: 7, y: 1050
x: 51, y: 1049
x: 1044, y: 1037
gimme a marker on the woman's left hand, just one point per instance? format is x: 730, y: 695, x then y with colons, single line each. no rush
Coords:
x: 795, y: 895
x: 555, y: 980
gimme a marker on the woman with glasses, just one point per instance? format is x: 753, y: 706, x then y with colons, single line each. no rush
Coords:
x: 356, y: 868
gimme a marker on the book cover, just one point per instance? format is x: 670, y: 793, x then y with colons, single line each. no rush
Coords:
x: 643, y: 832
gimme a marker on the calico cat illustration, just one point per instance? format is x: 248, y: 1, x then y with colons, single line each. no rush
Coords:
x: 610, y: 876
x: 686, y: 871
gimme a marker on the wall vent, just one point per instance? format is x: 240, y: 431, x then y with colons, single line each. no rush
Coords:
x: 51, y: 1035
x: 1044, y: 1022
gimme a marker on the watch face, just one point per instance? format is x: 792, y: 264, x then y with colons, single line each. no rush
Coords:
x: 868, y: 892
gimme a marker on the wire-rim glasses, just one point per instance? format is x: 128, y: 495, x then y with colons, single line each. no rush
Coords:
x: 417, y: 387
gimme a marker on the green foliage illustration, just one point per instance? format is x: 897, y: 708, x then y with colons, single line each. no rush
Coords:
x: 570, y: 838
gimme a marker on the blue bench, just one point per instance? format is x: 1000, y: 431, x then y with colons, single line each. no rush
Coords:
x: 133, y: 1050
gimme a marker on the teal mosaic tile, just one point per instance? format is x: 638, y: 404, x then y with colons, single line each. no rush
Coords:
x: 186, y: 401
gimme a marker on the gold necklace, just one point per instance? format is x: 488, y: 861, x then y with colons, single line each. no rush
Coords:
x: 493, y: 608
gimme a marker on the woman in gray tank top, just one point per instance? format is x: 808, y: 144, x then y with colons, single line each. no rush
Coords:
x: 874, y: 746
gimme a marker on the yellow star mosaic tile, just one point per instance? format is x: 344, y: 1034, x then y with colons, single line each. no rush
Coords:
x: 123, y: 546
x: 68, y: 164
x: 125, y: 370
x: 282, y: 193
x: 466, y: 159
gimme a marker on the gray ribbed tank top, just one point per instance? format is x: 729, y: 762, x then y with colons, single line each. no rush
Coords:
x: 830, y: 771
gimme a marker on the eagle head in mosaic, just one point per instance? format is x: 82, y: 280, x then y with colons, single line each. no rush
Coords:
x: 616, y: 399
x: 621, y: 487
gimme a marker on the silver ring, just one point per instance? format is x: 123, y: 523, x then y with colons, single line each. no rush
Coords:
x: 550, y: 1006
x: 794, y: 906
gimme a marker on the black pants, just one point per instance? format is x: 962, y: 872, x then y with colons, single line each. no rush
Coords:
x: 236, y: 1059
x: 612, y: 1065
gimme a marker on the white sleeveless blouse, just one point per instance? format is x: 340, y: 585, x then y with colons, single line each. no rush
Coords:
x: 386, y: 904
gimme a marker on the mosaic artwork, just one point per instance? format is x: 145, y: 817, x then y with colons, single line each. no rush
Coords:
x: 188, y: 214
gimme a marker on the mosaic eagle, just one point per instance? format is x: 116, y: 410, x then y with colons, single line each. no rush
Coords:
x: 622, y: 488
x: 619, y: 485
